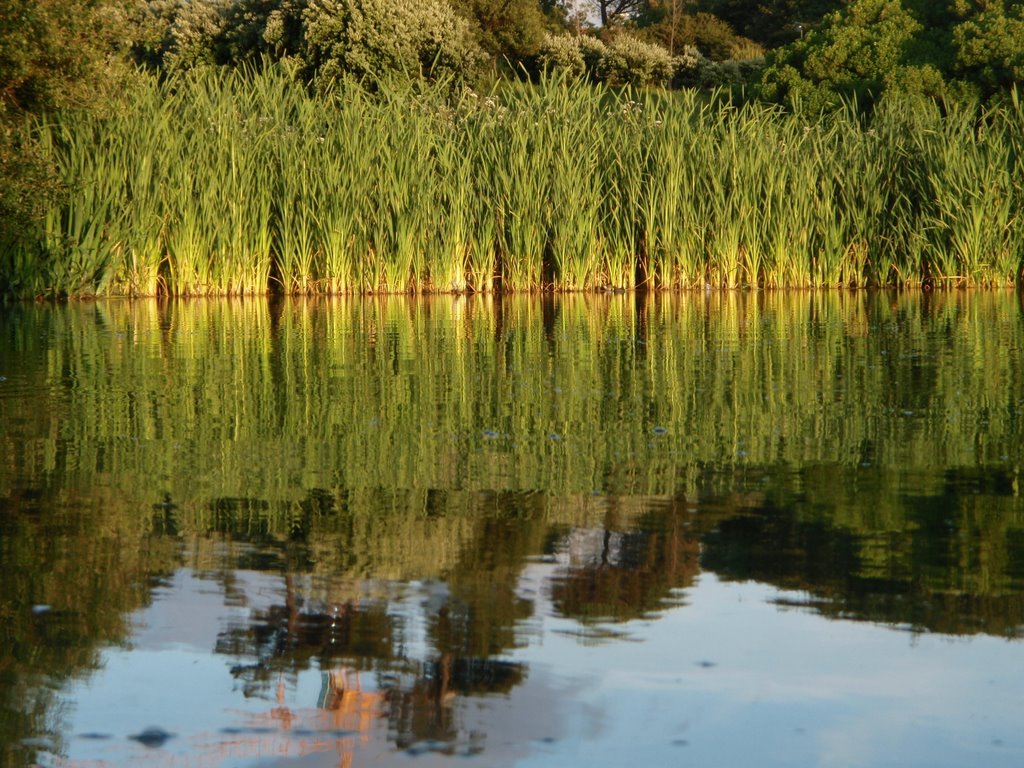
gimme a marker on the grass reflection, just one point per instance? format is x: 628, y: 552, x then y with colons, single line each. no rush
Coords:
x: 863, y: 448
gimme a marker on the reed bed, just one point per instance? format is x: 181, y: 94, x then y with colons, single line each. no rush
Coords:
x: 217, y: 183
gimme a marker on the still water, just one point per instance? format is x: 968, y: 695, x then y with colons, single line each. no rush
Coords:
x: 694, y: 530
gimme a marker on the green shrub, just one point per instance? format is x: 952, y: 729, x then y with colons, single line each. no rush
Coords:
x: 990, y: 48
x: 509, y: 31
x: 856, y: 54
x: 630, y: 61
x: 594, y: 51
x: 194, y: 33
x: 370, y: 39
x: 561, y: 53
x: 716, y: 39
x: 624, y: 61
x: 54, y: 54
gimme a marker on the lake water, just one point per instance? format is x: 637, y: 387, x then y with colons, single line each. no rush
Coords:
x: 700, y: 529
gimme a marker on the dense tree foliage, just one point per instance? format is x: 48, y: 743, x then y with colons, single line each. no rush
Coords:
x: 770, y: 22
x: 944, y: 50
x: 510, y: 31
x: 59, y: 53
x: 54, y: 53
x: 624, y: 60
x: 366, y: 38
x: 989, y: 44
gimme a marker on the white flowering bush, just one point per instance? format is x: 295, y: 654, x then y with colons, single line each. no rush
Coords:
x: 625, y: 61
x: 561, y: 53
x: 594, y: 53
x: 630, y: 61
x: 370, y: 39
x: 194, y: 31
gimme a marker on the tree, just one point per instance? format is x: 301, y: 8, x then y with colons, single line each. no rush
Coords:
x: 179, y: 34
x: 772, y: 22
x: 509, y: 30
x: 614, y: 12
x: 989, y: 45
x: 943, y: 50
x: 677, y: 24
x: 624, y: 61
x: 869, y: 47
x: 56, y: 53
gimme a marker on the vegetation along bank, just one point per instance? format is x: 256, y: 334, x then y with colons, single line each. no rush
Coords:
x: 232, y: 147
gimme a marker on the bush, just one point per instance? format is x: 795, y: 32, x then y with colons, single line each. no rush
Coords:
x: 715, y: 38
x: 990, y: 49
x: 170, y: 34
x: 694, y: 70
x: 370, y: 39
x: 630, y: 61
x: 561, y: 53
x: 194, y: 33
x: 857, y: 53
x: 594, y: 53
x: 54, y: 55
x: 625, y: 61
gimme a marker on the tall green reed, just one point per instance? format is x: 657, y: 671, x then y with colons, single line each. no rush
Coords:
x: 573, y: 142
x: 676, y: 229
x: 628, y: 195
x: 517, y: 159
x: 970, y: 184
x: 239, y: 183
x: 78, y: 242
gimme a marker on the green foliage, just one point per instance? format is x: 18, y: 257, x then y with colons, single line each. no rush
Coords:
x: 951, y: 51
x: 195, y: 30
x: 562, y: 53
x: 55, y: 53
x: 716, y: 39
x: 326, y: 39
x: 674, y: 26
x: 172, y: 34
x: 30, y: 187
x: 626, y: 60
x: 631, y: 61
x: 594, y: 51
x: 695, y: 71
x: 856, y: 54
x: 510, y: 31
x: 771, y: 22
x: 990, y: 47
x: 368, y: 39
x: 221, y: 182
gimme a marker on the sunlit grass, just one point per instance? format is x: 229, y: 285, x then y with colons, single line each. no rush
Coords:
x: 236, y: 184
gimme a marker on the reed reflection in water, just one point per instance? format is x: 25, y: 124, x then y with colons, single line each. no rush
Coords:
x: 520, y: 531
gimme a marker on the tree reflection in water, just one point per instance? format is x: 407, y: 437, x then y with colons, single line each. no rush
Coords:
x: 345, y: 640
x: 618, y: 575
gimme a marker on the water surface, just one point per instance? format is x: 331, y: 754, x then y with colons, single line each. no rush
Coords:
x: 706, y: 530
